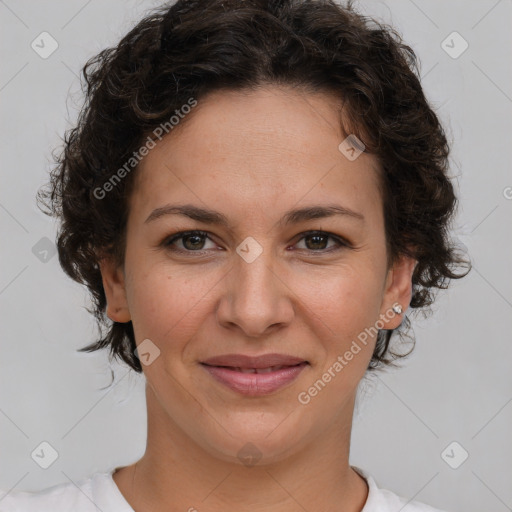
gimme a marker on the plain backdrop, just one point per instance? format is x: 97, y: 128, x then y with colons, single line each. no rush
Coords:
x: 453, y: 395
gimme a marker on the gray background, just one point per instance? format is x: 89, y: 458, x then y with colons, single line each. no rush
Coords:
x: 457, y: 385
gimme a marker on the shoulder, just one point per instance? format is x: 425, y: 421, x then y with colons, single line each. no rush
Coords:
x: 394, y: 502
x: 383, y: 500
x: 84, y: 496
x: 65, y: 496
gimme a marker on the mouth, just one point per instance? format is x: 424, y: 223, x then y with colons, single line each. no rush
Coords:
x: 255, y: 376
x: 270, y: 369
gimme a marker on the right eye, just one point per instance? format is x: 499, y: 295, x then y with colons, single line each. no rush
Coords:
x: 191, y: 241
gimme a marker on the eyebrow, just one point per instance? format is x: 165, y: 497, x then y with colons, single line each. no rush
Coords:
x: 207, y: 216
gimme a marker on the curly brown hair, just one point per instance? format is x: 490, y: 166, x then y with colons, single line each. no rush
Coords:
x: 192, y: 48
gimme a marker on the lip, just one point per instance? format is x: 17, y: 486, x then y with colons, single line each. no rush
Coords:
x: 227, y: 369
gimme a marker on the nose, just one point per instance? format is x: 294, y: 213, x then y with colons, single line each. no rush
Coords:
x: 256, y: 297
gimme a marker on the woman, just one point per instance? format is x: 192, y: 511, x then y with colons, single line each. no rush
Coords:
x: 254, y: 194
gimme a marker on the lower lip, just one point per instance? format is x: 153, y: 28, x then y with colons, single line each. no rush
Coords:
x: 255, y: 384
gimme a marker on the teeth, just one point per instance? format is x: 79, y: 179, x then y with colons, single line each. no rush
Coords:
x: 259, y: 370
x: 268, y: 370
x: 246, y: 370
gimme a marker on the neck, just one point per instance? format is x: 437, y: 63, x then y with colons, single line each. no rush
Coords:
x: 176, y: 473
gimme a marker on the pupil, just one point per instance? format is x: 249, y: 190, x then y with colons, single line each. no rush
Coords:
x: 197, y: 237
x: 317, y: 237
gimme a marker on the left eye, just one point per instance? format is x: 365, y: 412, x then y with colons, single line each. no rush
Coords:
x: 193, y: 241
x: 319, y: 240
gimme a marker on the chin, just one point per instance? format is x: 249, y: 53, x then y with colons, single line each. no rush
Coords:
x: 255, y: 442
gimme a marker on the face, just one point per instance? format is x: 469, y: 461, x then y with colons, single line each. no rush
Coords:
x: 260, y: 283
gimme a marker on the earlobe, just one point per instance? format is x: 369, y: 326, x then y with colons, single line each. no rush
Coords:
x: 398, y: 292
x: 115, y: 291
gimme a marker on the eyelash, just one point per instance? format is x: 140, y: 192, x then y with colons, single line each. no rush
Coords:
x: 167, y: 243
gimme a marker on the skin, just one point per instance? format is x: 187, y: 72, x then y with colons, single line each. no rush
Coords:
x: 253, y: 156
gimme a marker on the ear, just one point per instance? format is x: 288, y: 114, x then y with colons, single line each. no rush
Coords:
x: 114, y: 285
x: 397, y: 290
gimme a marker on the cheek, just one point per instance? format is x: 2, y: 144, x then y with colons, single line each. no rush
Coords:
x: 165, y: 304
x: 346, y: 299
x: 347, y: 309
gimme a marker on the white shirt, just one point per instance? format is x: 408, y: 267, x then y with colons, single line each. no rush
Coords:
x: 100, y: 492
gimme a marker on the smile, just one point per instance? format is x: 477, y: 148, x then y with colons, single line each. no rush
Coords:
x: 255, y: 381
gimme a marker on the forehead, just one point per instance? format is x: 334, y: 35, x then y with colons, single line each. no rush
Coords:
x: 257, y: 150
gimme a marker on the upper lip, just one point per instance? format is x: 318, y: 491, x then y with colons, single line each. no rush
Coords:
x: 244, y: 361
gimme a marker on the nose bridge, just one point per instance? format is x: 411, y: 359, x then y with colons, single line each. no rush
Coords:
x: 256, y: 297
x: 255, y: 269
